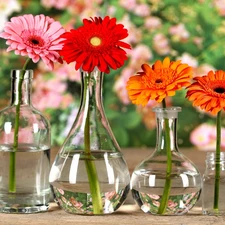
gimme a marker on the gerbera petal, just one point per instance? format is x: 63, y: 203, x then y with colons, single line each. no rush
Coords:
x: 208, y: 92
x: 157, y: 65
x: 166, y: 62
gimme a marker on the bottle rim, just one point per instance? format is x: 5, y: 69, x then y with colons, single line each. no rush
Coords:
x: 211, y: 156
x: 169, y: 109
x: 17, y: 74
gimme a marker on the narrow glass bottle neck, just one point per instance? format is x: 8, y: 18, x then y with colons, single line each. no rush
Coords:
x: 166, y: 130
x: 92, y: 89
x: 21, y: 87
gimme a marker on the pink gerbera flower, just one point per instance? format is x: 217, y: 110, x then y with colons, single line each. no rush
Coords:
x: 34, y: 36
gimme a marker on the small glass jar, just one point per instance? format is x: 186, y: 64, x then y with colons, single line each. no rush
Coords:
x: 210, y: 191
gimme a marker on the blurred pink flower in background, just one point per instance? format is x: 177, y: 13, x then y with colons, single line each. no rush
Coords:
x: 179, y: 32
x: 135, y: 36
x: 142, y: 10
x: 47, y: 93
x: 120, y: 85
x: 67, y: 100
x: 189, y: 59
x: 220, y: 6
x: 204, y: 137
x: 153, y: 23
x: 198, y: 70
x: 67, y: 72
x: 161, y: 44
x: 203, y: 69
x: 128, y: 5
x: 58, y: 4
x: 73, y: 6
x: 139, y: 55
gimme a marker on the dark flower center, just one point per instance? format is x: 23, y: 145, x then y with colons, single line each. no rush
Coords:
x: 35, y: 42
x: 219, y: 90
x: 158, y: 81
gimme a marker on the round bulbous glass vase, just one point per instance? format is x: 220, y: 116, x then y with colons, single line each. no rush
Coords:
x: 24, y: 151
x: 166, y: 182
x: 213, y: 195
x: 89, y: 175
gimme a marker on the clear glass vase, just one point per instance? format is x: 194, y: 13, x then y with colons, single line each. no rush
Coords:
x: 212, y: 203
x: 24, y: 151
x: 89, y: 174
x: 166, y: 182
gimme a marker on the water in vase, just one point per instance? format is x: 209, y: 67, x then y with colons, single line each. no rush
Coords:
x: 32, y: 187
x: 69, y: 179
x: 149, y: 190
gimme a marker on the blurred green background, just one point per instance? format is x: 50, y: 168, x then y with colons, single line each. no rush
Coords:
x: 191, y: 30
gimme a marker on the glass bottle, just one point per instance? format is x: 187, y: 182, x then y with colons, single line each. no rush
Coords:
x: 24, y: 151
x: 89, y: 174
x: 208, y: 187
x: 166, y: 182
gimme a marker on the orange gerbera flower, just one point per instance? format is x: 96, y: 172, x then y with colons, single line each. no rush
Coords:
x: 208, y: 92
x: 158, y: 81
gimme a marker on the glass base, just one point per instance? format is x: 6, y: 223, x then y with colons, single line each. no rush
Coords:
x: 178, y: 204
x: 24, y: 210
x: 213, y: 212
x: 24, y: 202
x: 81, y: 203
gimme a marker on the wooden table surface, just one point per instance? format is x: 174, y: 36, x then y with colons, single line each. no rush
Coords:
x: 128, y: 214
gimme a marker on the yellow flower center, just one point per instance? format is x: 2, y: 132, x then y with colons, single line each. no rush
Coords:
x: 95, y: 41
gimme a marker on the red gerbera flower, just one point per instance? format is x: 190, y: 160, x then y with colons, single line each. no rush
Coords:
x: 96, y: 43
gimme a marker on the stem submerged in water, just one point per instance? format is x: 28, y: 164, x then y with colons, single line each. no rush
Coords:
x: 12, y: 157
x: 90, y: 164
x: 217, y: 161
x: 167, y: 186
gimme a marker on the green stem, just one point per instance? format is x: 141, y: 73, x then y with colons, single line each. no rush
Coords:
x: 12, y: 157
x: 90, y: 165
x: 217, y: 161
x: 167, y: 186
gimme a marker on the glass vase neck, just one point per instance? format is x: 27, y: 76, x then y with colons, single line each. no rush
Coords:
x: 21, y: 81
x: 92, y: 87
x: 91, y: 130
x: 166, y: 128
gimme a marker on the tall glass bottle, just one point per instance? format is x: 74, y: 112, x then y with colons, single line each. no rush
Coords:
x: 89, y: 174
x: 166, y: 182
x: 24, y: 151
